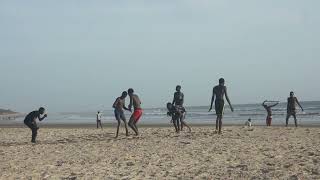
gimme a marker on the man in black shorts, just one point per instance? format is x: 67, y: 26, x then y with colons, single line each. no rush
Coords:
x: 291, y: 108
x: 30, y: 121
x: 219, y: 92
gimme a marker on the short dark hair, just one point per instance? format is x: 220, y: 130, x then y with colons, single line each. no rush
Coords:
x: 221, y: 80
x: 42, y: 109
x: 291, y: 93
x: 124, y: 93
x: 130, y: 91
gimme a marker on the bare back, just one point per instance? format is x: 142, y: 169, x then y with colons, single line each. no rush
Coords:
x: 220, y: 92
x: 135, y: 101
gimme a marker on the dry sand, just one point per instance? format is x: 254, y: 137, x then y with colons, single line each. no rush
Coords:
x: 239, y: 153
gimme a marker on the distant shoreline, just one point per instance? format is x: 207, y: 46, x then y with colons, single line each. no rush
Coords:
x: 113, y: 125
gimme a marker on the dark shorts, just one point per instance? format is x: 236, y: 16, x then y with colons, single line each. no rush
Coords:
x: 291, y: 112
x: 219, y: 106
x: 119, y: 115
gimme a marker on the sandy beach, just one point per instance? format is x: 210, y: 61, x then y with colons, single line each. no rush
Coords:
x: 159, y: 153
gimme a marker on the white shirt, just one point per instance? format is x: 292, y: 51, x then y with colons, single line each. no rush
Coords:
x: 99, y: 116
x: 248, y: 123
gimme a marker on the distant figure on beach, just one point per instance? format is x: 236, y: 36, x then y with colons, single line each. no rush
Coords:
x: 218, y: 94
x: 178, y: 116
x: 269, y: 110
x: 30, y: 121
x: 178, y: 101
x: 291, y: 109
x: 118, y: 106
x: 248, y: 123
x: 99, y: 119
x: 137, y: 114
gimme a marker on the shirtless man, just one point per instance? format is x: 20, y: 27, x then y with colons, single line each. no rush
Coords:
x: 178, y: 100
x: 136, y: 103
x: 291, y: 108
x: 30, y: 121
x: 219, y: 92
x: 269, y: 111
x: 118, y: 106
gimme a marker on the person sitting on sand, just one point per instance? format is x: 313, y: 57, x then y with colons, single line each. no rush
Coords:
x: 291, y: 109
x: 118, y: 106
x: 248, y: 123
x: 99, y: 119
x: 269, y: 111
x: 219, y: 92
x: 178, y: 115
x: 30, y: 121
x: 137, y: 114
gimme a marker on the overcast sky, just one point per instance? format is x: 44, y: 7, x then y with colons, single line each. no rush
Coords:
x: 79, y: 55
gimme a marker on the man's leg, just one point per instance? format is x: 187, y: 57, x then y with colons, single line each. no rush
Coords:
x: 220, y: 124
x: 175, y: 125
x: 125, y: 125
x: 217, y: 123
x: 287, y: 119
x: 295, y: 120
x: 29, y: 124
x: 131, y: 125
x: 181, y: 123
x: 118, y: 128
x: 185, y: 124
x: 34, y: 133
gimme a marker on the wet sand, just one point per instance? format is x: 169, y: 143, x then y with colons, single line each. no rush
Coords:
x: 159, y: 153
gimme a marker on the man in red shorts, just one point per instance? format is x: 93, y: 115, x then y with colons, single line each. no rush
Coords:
x: 136, y: 103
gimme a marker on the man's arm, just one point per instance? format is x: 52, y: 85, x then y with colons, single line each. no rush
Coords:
x: 124, y: 106
x: 227, y: 97
x: 41, y: 118
x: 212, y: 99
x: 115, y: 103
x: 174, y: 99
x: 299, y: 104
x: 130, y: 105
x: 274, y: 105
x: 264, y: 103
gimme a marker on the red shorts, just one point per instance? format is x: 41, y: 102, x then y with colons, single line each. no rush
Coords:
x: 137, y: 114
x: 269, y: 120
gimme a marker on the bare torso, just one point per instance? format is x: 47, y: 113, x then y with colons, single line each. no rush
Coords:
x: 220, y: 92
x: 119, y: 104
x: 136, y: 101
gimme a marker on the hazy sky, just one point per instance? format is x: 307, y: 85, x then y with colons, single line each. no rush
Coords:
x: 78, y: 55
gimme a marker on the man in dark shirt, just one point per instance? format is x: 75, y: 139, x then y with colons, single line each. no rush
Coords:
x: 269, y: 111
x: 218, y: 94
x: 291, y: 108
x: 30, y: 121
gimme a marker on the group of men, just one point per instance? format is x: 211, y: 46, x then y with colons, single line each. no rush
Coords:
x: 175, y: 109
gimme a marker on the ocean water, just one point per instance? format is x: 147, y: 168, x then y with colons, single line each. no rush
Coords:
x: 197, y: 115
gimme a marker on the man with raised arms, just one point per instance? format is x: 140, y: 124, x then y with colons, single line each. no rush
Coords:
x: 136, y: 103
x: 218, y: 94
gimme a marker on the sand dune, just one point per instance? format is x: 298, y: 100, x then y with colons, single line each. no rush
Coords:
x: 159, y: 153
